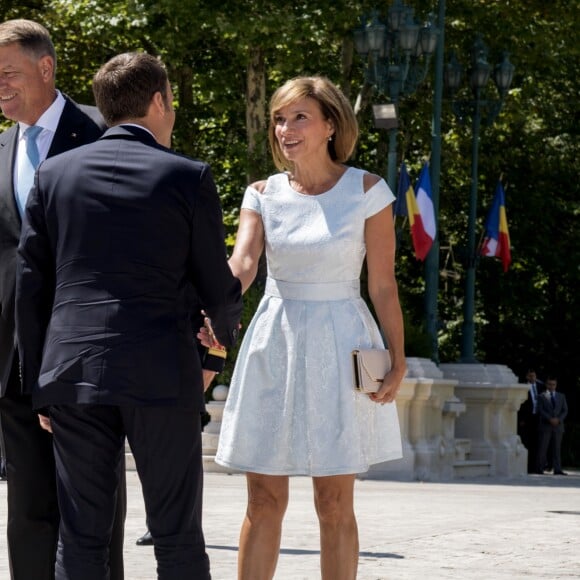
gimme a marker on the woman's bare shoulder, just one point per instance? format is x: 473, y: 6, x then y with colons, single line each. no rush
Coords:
x: 259, y: 186
x: 370, y: 180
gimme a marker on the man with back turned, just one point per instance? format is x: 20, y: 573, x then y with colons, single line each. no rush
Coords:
x: 120, y: 240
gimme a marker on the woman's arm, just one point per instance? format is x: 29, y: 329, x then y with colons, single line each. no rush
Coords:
x: 243, y: 262
x: 383, y: 291
x: 248, y: 248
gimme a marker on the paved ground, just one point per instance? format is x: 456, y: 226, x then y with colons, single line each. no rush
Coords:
x: 482, y: 529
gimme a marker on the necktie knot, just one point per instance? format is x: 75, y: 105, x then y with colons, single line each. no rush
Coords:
x: 31, y: 146
x: 28, y: 161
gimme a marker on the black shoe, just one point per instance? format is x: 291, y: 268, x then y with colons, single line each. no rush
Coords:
x: 3, y: 475
x: 559, y: 473
x: 145, y: 540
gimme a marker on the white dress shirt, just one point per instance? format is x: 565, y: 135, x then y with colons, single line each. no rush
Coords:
x: 49, y: 122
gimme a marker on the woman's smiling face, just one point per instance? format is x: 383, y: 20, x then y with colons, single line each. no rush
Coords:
x: 302, y: 131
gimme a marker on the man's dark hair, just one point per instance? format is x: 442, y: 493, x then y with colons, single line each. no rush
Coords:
x: 124, y: 86
x: 33, y: 38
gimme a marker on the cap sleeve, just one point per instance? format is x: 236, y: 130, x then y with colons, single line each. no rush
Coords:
x: 252, y: 200
x: 378, y: 197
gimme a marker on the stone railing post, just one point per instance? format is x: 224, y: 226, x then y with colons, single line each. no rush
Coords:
x: 427, y: 409
x: 492, y: 397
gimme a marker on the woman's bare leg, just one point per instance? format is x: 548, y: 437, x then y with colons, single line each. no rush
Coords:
x: 262, y: 527
x: 334, y: 501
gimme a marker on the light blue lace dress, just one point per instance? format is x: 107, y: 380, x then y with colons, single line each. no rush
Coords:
x: 292, y: 408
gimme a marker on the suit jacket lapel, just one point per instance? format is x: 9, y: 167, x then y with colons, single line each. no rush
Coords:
x: 7, y: 200
x: 69, y: 131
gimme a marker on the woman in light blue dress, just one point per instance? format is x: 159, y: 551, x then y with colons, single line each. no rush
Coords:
x: 292, y: 408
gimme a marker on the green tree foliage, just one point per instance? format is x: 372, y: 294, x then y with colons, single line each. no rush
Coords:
x: 528, y: 316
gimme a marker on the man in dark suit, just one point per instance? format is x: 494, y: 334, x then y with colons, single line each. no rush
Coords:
x: 120, y: 239
x: 529, y: 419
x: 553, y: 408
x: 29, y: 97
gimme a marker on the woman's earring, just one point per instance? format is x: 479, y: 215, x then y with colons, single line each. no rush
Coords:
x: 330, y: 138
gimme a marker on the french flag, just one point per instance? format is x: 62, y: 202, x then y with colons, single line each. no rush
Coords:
x: 422, y: 214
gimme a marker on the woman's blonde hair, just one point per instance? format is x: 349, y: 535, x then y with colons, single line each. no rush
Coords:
x: 334, y: 106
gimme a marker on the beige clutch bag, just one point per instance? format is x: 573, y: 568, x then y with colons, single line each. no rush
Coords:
x: 370, y: 367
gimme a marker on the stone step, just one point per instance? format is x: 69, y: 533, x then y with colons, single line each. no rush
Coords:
x: 210, y: 466
x: 129, y: 461
x: 462, y: 449
x: 471, y: 468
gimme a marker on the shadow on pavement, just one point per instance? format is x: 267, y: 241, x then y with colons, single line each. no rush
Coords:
x: 300, y: 552
x: 531, y: 480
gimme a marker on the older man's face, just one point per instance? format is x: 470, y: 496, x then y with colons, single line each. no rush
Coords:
x: 26, y: 84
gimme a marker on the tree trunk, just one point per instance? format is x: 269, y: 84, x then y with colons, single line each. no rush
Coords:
x: 346, y: 65
x: 256, y: 114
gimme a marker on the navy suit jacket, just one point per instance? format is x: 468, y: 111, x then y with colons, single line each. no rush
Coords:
x: 118, y: 238
x: 547, y: 411
x: 78, y: 125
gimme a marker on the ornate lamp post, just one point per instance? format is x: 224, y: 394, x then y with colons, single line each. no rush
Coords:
x: 397, y: 54
x: 481, y: 110
x: 432, y: 261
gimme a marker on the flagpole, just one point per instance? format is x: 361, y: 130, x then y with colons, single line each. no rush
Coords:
x: 432, y: 261
x: 399, y: 232
x: 468, y: 328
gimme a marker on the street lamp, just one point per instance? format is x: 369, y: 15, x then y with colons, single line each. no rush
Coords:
x: 432, y: 261
x: 480, y: 110
x: 397, y: 54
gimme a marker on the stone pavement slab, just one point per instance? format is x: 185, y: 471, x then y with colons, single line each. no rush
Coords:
x: 484, y: 529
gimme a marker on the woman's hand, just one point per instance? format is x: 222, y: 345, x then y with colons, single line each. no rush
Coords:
x: 207, y: 336
x: 390, y: 387
x: 204, y: 337
x: 45, y: 423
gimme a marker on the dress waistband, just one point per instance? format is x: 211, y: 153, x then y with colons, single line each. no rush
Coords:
x: 320, y: 292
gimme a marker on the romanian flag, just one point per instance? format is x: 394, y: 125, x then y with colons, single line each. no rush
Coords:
x: 497, y: 238
x: 402, y: 189
x: 422, y: 214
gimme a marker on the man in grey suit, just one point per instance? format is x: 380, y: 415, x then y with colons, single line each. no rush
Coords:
x: 553, y: 409
x: 29, y: 97
x: 121, y: 243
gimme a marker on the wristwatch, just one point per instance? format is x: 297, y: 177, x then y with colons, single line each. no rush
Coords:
x: 214, y: 359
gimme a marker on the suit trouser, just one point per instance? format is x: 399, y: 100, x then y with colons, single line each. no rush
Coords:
x: 2, y: 450
x: 166, y: 445
x: 550, y: 439
x: 33, y: 514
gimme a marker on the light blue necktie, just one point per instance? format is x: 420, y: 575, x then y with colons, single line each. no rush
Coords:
x: 27, y: 166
